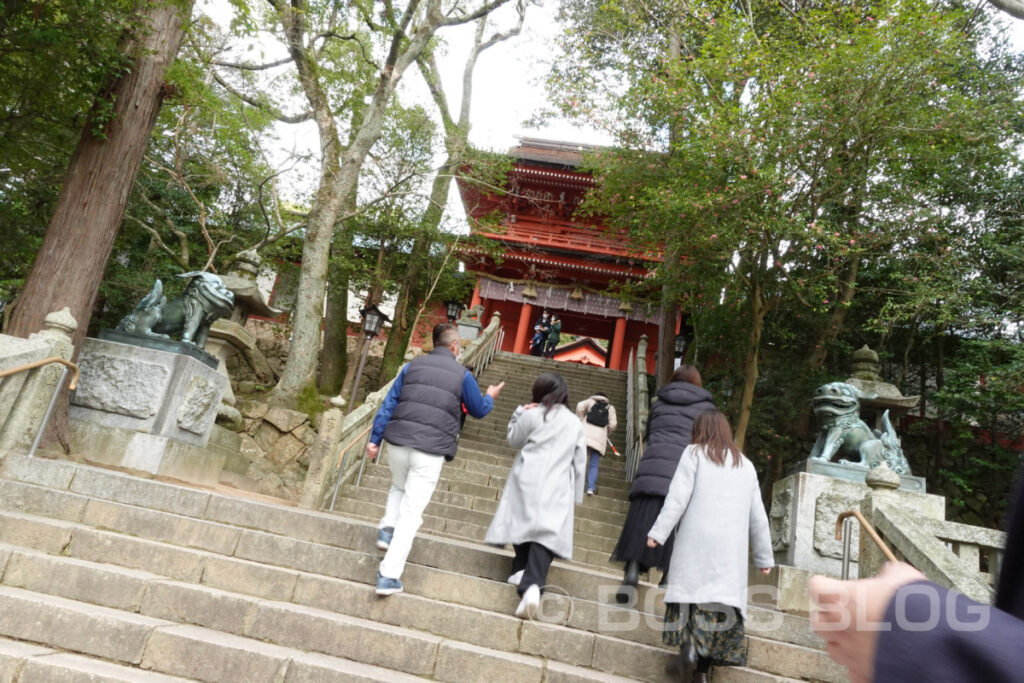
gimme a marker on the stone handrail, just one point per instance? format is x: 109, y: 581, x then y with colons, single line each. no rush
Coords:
x: 946, y: 552
x: 637, y: 406
x: 32, y: 380
x: 341, y: 440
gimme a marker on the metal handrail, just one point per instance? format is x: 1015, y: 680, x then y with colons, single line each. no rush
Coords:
x: 845, y: 537
x: 45, y: 361
x: 68, y: 365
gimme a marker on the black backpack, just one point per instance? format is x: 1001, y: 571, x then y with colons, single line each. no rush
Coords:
x: 598, y: 414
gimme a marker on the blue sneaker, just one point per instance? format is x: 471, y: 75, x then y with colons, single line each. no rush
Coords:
x: 384, y: 537
x: 386, y: 586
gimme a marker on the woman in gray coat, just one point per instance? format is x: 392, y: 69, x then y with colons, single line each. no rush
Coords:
x: 535, y: 514
x: 716, y: 501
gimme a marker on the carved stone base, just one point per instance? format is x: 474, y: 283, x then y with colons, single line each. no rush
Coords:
x: 146, y: 453
x: 803, y: 517
x: 145, y: 390
x: 851, y: 472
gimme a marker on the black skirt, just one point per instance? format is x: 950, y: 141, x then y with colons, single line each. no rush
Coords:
x: 632, y: 545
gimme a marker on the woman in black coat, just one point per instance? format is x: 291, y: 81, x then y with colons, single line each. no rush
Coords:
x: 668, y: 434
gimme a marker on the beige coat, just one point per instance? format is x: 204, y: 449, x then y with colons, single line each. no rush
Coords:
x: 597, y: 437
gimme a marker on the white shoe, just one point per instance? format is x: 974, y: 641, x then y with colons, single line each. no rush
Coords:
x: 516, y: 577
x: 527, y: 608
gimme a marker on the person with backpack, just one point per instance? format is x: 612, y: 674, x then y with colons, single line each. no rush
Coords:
x: 598, y: 416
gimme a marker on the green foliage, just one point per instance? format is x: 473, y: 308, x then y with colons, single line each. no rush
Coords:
x: 311, y: 402
x: 55, y: 59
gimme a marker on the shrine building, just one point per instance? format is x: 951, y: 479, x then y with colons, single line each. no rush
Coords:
x: 553, y: 261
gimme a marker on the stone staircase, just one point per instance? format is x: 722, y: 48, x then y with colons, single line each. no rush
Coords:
x: 109, y: 577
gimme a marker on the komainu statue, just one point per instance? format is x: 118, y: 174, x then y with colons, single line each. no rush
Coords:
x: 844, y: 436
x: 204, y: 300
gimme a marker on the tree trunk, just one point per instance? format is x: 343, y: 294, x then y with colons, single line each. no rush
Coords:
x: 334, y: 356
x: 750, y: 370
x: 847, y: 289
x: 73, y: 257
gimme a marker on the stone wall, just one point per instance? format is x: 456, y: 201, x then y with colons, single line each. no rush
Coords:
x: 275, y: 442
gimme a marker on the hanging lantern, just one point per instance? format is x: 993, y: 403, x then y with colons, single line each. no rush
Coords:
x: 529, y: 291
x: 577, y: 294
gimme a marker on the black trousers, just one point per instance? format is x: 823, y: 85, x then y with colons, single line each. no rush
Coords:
x: 535, y: 560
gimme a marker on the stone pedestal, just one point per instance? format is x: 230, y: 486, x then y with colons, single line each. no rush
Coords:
x: 147, y: 409
x: 469, y: 329
x: 856, y: 473
x: 803, y: 516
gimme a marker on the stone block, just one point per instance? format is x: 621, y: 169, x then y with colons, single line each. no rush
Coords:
x: 252, y: 409
x: 475, y: 626
x: 165, y: 527
x: 311, y: 666
x: 125, y: 551
x: 554, y: 642
x: 122, y: 488
x: 67, y: 577
x: 459, y: 662
x: 48, y: 536
x: 624, y: 658
x: 334, y: 634
x: 13, y: 654
x: 558, y: 672
x: 285, y: 420
x: 285, y: 450
x: 266, y: 436
x: 308, y: 557
x: 66, y: 624
x: 54, y: 474
x: 70, y: 668
x: 146, y: 453
x: 38, y: 500
x: 793, y: 661
x: 148, y: 391
x: 250, y: 578
x: 207, y: 655
x: 191, y: 604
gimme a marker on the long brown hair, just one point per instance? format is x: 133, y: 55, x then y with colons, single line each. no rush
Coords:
x: 687, y: 373
x: 711, y: 430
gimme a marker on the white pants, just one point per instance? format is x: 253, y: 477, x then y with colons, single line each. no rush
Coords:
x: 414, y: 476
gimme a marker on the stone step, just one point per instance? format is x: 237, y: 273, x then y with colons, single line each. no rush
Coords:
x: 481, y: 570
x: 607, y: 482
x: 166, y: 647
x: 255, y: 531
x: 27, y: 662
x: 359, y: 495
x: 469, y: 531
x: 312, y: 620
x: 614, y: 466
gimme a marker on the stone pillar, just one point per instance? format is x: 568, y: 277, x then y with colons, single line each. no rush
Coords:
x: 321, y: 453
x: 618, y: 339
x: 523, y: 329
x: 26, y: 416
x: 884, y: 485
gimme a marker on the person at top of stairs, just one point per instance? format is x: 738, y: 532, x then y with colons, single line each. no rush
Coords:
x: 535, y: 513
x: 598, y: 415
x: 715, y: 500
x: 420, y: 419
x: 668, y: 434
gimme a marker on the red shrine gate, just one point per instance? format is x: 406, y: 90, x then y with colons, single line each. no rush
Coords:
x: 551, y: 261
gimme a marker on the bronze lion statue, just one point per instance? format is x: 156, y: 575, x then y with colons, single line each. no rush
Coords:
x: 204, y: 300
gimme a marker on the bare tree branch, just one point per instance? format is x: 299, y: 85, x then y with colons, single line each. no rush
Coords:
x: 264, y: 106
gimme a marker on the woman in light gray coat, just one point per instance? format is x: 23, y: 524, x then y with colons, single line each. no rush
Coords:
x: 535, y: 514
x: 716, y: 501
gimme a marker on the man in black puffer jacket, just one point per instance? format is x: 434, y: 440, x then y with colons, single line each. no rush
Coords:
x: 668, y: 433
x: 420, y: 419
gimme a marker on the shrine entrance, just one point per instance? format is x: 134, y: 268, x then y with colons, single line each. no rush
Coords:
x: 550, y: 260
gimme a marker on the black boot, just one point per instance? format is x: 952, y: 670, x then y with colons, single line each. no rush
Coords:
x: 630, y: 578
